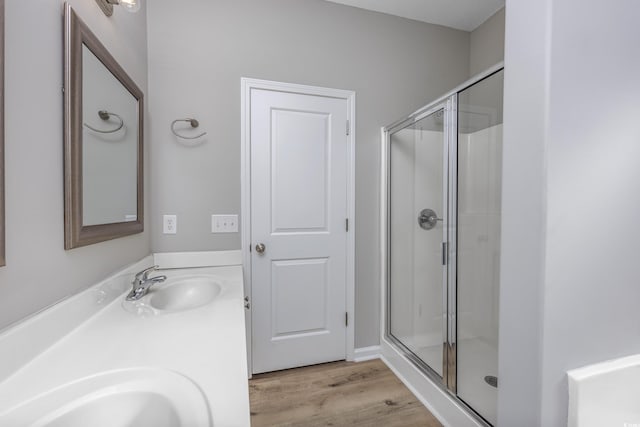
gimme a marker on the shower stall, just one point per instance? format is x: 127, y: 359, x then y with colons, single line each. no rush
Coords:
x: 441, y: 234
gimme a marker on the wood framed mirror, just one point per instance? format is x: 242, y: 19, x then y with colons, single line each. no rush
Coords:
x: 2, y: 220
x: 103, y: 142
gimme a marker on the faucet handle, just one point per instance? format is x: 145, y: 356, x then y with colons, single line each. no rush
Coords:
x: 144, y: 274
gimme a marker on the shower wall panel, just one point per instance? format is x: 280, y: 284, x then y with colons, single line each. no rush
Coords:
x: 416, y: 183
x: 402, y: 239
x: 479, y: 202
x: 479, y: 184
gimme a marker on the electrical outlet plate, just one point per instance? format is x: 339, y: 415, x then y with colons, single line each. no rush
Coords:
x: 170, y: 224
x: 224, y: 223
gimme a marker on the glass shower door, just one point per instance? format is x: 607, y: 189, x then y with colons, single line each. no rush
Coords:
x: 443, y: 192
x: 417, y: 230
x: 479, y: 184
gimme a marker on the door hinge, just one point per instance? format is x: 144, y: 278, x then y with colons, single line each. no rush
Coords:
x: 444, y: 253
x: 346, y: 224
x: 348, y: 128
x: 346, y: 318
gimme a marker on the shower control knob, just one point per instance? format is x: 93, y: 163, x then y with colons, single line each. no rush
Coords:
x: 428, y: 219
x: 260, y: 247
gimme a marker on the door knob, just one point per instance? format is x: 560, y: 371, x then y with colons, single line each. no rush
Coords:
x: 260, y: 247
x: 428, y: 219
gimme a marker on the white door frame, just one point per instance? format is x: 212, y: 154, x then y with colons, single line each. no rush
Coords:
x: 247, y: 84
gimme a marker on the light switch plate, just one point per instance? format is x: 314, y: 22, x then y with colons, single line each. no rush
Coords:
x: 224, y: 223
x: 170, y: 224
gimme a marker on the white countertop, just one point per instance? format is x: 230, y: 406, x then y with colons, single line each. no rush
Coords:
x: 206, y: 344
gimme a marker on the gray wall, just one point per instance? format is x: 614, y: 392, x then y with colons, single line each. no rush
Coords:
x: 39, y: 271
x: 486, y: 43
x: 199, y: 49
x: 569, y: 279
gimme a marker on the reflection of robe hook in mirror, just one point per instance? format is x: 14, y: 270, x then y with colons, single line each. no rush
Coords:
x: 194, y: 124
x: 106, y: 115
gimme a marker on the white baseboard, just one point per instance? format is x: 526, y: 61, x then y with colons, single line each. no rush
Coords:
x: 366, y: 353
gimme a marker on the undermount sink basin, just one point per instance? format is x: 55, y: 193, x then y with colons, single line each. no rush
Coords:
x: 141, y: 397
x: 184, y: 294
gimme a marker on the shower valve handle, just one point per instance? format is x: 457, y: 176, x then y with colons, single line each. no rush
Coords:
x: 428, y: 219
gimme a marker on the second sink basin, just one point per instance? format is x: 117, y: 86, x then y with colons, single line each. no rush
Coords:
x: 184, y: 293
x: 137, y: 397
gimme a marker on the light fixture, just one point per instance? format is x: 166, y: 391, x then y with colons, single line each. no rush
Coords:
x: 129, y: 5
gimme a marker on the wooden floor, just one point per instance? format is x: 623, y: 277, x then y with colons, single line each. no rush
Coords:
x: 335, y: 394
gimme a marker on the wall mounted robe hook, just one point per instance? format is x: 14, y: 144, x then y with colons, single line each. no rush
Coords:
x: 106, y: 115
x: 194, y: 124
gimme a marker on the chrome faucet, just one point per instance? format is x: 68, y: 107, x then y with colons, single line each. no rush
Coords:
x: 142, y: 282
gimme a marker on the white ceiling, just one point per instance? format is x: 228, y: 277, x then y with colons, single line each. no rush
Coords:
x: 464, y: 15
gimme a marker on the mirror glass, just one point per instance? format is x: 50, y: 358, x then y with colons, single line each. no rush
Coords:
x: 103, y: 142
x: 109, y: 146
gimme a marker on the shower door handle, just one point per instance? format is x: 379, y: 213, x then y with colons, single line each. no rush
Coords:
x: 428, y: 219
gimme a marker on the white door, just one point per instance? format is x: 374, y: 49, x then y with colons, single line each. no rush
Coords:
x: 298, y: 212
